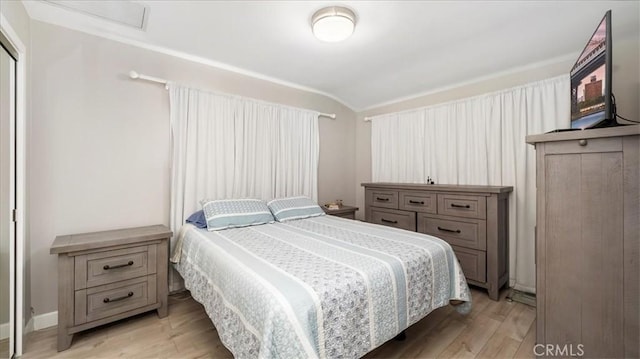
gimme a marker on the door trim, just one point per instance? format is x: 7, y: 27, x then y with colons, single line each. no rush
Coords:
x: 20, y: 134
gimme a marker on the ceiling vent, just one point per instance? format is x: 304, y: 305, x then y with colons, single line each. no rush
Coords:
x: 122, y: 12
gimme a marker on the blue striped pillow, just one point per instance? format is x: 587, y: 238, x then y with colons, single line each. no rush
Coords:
x: 286, y: 209
x: 231, y: 213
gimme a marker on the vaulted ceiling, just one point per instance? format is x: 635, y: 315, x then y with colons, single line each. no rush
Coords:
x: 400, y: 49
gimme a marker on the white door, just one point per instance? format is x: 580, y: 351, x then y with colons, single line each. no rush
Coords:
x: 7, y: 201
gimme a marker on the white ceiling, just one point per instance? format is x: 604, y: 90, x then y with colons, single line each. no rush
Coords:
x: 399, y: 49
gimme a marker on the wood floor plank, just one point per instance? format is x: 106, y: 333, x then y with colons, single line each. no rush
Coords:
x: 472, y: 339
x: 506, y: 349
x: 438, y: 340
x: 525, y: 351
x: 4, y: 348
x: 492, y: 329
x: 416, y: 335
x: 506, y: 340
x: 499, y: 310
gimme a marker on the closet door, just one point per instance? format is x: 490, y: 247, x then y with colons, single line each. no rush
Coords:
x: 7, y: 202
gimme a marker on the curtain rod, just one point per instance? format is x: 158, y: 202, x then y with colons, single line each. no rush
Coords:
x: 135, y: 75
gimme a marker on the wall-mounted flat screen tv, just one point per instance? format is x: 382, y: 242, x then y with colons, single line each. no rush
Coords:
x: 591, y: 100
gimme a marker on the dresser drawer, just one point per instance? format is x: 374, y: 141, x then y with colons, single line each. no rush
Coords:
x: 394, y: 218
x: 471, y: 233
x: 473, y: 263
x: 425, y: 202
x: 112, y: 299
x: 462, y: 206
x: 106, y: 267
x: 382, y: 198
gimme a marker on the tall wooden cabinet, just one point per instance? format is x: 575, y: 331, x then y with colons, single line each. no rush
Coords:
x: 474, y: 220
x: 587, y: 241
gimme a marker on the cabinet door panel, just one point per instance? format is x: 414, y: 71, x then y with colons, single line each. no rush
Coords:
x: 584, y: 239
x: 601, y: 246
x: 563, y: 319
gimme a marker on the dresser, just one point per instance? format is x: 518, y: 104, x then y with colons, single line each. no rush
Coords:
x: 588, y: 241
x: 474, y: 220
x: 108, y: 276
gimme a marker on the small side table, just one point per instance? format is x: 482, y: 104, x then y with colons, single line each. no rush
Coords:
x: 108, y: 276
x: 344, y: 211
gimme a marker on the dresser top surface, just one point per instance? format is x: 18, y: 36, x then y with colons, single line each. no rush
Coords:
x: 631, y: 130
x: 439, y: 187
x: 87, y: 241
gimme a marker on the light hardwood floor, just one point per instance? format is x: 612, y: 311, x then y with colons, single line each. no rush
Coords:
x: 4, y: 348
x: 492, y: 330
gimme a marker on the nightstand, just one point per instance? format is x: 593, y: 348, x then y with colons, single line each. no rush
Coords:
x: 344, y: 211
x: 108, y: 276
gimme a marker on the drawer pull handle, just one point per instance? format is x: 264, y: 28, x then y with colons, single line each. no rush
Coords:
x: 448, y: 230
x: 107, y: 267
x: 382, y: 199
x: 460, y: 206
x: 388, y: 221
x: 109, y: 300
x: 416, y: 202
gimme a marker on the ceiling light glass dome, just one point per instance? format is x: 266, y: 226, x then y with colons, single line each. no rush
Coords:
x: 333, y: 24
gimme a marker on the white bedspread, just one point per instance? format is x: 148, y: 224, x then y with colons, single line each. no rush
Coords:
x: 323, y: 287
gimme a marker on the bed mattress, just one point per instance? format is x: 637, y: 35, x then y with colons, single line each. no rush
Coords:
x: 321, y: 287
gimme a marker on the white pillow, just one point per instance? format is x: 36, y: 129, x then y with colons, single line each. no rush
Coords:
x: 231, y: 213
x: 286, y: 209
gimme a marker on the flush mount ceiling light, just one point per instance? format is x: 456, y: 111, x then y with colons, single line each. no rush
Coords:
x: 333, y: 24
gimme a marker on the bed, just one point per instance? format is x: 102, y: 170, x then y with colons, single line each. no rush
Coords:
x: 320, y: 287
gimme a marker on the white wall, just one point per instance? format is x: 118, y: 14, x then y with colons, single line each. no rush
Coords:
x: 100, y: 141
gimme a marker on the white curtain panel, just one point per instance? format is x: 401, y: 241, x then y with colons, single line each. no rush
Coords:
x: 478, y: 141
x: 232, y: 147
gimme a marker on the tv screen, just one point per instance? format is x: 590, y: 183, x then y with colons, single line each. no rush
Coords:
x: 591, y: 80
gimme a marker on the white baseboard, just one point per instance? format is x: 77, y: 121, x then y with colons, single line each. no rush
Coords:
x: 4, y: 331
x: 37, y: 322
x: 43, y: 321
x: 29, y: 327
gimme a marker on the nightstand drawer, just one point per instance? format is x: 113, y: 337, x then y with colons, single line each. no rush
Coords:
x: 425, y: 202
x: 349, y: 215
x: 106, y: 267
x: 473, y: 263
x: 393, y: 218
x: 469, y: 233
x: 382, y: 198
x: 344, y: 211
x: 462, y: 206
x: 112, y: 299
